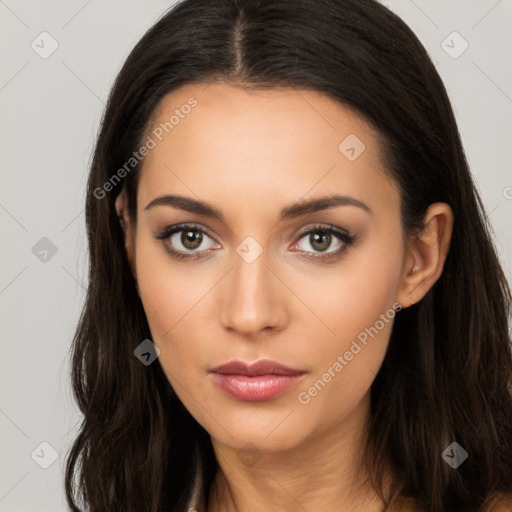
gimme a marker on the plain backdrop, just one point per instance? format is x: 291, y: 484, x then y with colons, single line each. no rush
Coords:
x: 50, y: 108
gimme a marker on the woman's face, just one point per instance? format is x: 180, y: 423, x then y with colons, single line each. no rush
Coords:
x: 257, y: 274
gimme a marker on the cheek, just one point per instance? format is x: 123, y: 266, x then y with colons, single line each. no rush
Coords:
x: 358, y: 304
x: 350, y: 295
x: 170, y: 292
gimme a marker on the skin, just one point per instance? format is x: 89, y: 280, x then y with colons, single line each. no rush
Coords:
x: 250, y: 154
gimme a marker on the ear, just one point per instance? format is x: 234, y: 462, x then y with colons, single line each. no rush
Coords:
x: 426, y: 254
x: 121, y: 205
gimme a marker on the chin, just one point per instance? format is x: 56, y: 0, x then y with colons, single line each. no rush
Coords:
x: 267, y: 430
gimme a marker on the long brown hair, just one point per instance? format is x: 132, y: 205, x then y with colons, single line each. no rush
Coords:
x: 448, y: 370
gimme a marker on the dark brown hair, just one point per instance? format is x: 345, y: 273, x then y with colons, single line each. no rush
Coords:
x: 448, y: 370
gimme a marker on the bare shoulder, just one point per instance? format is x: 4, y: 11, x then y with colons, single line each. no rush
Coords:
x: 500, y: 503
x: 403, y: 504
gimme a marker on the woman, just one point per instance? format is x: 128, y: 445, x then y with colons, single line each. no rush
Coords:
x: 294, y: 301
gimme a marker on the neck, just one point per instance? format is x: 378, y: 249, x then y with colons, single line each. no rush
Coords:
x: 324, y: 473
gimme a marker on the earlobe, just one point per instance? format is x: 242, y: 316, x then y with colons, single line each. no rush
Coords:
x: 427, y: 253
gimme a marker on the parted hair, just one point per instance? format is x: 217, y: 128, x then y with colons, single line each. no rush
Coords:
x: 447, y: 374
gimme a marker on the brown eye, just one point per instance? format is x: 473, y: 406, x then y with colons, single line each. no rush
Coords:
x: 191, y: 239
x: 187, y: 241
x: 323, y: 242
x: 320, y: 240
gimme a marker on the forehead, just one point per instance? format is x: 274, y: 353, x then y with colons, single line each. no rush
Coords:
x: 269, y: 144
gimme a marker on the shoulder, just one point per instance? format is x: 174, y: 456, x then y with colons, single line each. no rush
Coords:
x: 402, y: 504
x: 501, y: 502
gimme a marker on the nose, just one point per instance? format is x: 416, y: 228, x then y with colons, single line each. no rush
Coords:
x: 253, y: 299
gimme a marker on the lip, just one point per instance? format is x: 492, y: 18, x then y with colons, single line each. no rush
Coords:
x: 254, y: 382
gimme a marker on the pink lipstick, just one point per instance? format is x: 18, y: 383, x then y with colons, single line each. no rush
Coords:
x: 257, y: 381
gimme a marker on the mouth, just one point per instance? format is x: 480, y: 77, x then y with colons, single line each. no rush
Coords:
x: 254, y: 382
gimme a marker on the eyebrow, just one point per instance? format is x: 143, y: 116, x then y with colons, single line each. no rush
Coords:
x: 289, y: 212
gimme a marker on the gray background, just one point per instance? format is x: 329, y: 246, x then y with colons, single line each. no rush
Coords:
x: 50, y: 112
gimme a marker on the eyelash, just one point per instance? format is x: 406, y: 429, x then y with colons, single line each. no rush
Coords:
x: 345, y: 237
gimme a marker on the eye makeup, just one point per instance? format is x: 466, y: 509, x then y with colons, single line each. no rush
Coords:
x: 193, y: 235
